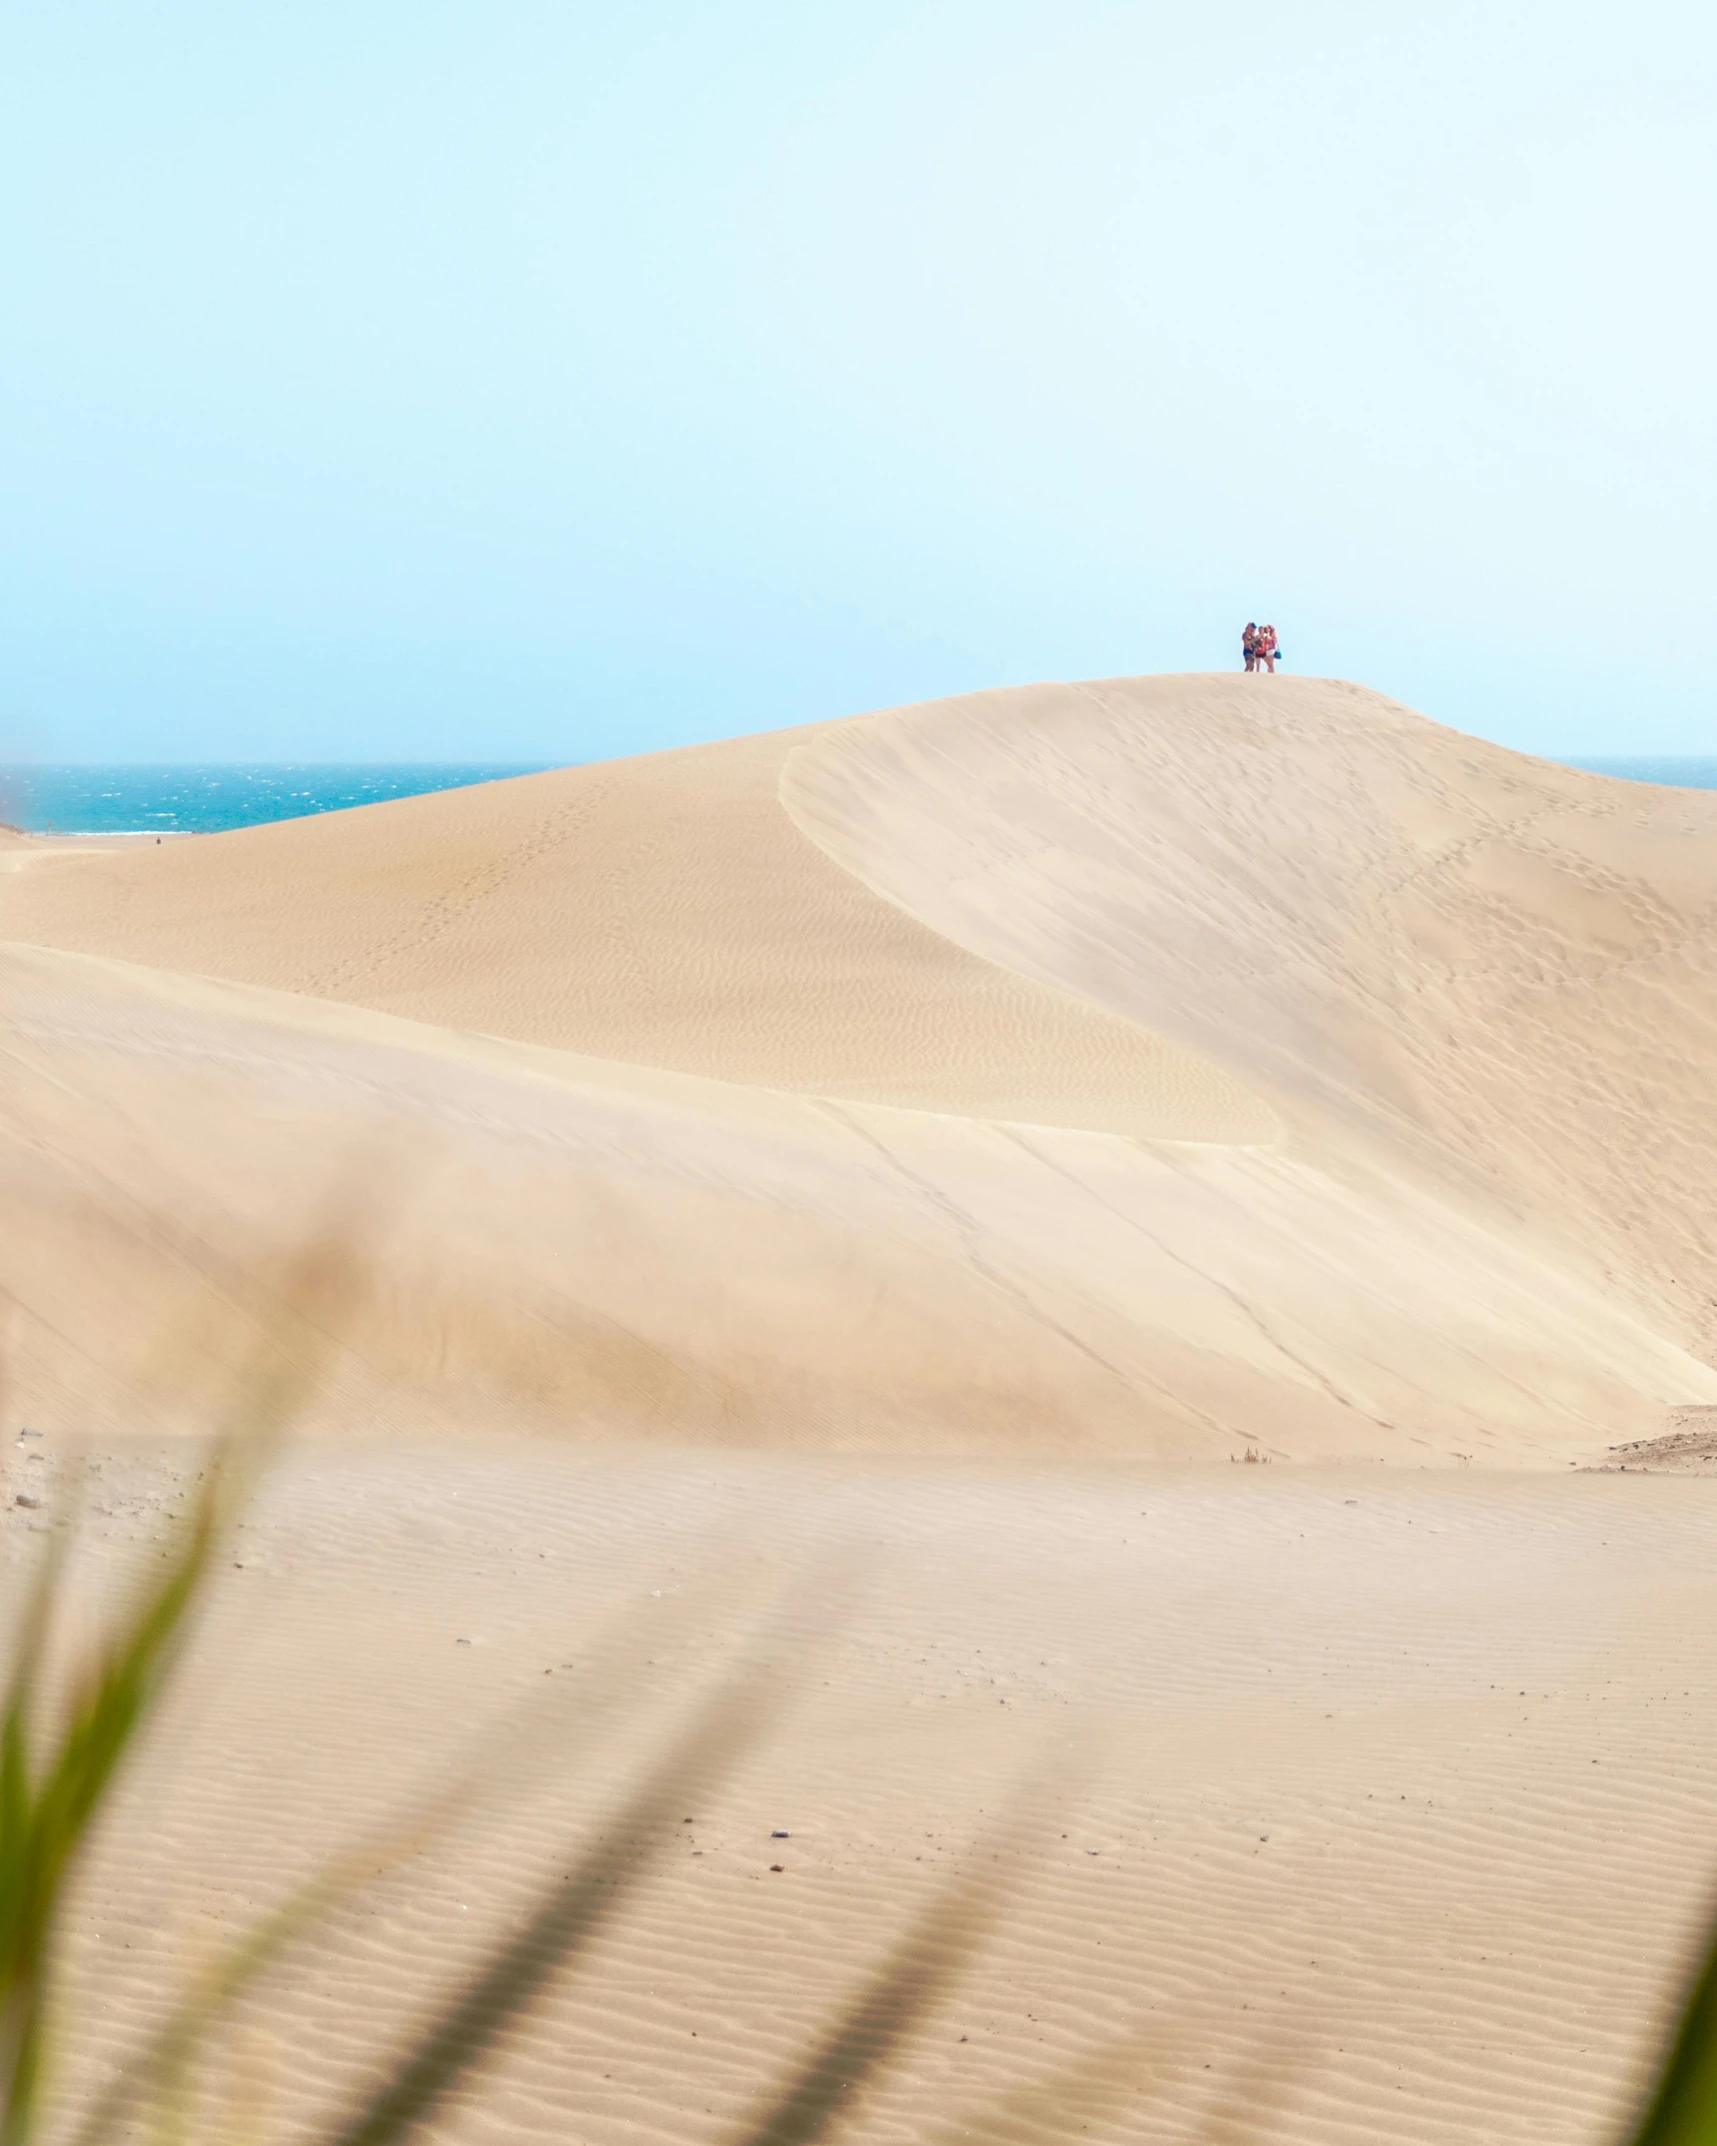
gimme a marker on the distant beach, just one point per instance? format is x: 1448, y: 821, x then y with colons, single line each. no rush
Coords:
x: 204, y: 799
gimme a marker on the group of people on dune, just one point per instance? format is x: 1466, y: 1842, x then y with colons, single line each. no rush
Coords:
x: 1258, y: 646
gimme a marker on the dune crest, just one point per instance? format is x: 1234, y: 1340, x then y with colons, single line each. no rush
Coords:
x: 1495, y: 975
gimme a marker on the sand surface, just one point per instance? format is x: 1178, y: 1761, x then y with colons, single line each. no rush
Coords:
x: 925, y: 1152
x: 1369, y: 1805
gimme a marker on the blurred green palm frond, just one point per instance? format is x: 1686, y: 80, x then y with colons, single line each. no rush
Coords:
x: 1681, y: 2106
x: 50, y: 1798
x: 53, y: 1787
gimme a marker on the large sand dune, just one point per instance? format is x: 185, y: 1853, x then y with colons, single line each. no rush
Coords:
x: 1158, y: 1066
x: 997, y: 1107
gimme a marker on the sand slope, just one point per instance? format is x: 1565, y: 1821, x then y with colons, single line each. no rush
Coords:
x: 1158, y: 1066
x: 663, y: 911
x: 1494, y: 973
x: 581, y: 1245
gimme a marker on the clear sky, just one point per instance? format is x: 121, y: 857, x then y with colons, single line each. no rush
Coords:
x: 532, y: 379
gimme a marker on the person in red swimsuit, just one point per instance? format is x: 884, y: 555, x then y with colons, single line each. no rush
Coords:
x: 1267, y: 647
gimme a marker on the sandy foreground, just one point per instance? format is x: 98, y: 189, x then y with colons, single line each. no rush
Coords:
x: 1354, y: 1804
x: 885, y: 1177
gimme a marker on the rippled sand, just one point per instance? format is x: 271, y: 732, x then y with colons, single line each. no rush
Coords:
x: 1367, y: 1804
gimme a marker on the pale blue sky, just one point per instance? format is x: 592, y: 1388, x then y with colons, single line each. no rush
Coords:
x: 507, y: 379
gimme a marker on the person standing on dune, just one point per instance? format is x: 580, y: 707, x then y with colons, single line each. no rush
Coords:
x: 1267, y: 648
x: 1249, y: 645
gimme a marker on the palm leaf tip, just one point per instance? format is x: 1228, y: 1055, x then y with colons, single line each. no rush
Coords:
x: 1680, y: 2107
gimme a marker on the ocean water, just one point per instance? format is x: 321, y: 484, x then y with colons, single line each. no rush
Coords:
x: 1677, y: 773
x: 202, y: 800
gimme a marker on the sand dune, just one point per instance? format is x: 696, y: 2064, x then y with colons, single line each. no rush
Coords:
x: 585, y: 1245
x: 1295, y: 1078
x: 663, y: 911
x: 1011, y: 1111
x: 1495, y: 974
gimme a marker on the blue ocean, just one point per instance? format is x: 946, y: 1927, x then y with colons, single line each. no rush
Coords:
x: 1678, y: 774
x: 202, y: 800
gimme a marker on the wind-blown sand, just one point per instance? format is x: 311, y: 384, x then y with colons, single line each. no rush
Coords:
x: 998, y: 1109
